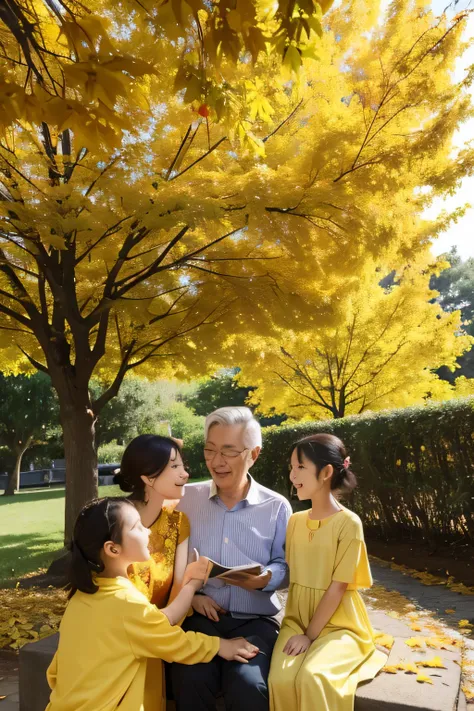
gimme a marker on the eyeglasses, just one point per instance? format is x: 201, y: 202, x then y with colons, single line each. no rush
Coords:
x: 209, y: 454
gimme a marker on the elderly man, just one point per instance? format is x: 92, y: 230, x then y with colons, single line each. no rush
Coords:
x: 234, y: 521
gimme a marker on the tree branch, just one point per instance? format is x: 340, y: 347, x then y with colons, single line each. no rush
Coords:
x: 35, y: 363
x: 288, y: 118
x: 198, y: 160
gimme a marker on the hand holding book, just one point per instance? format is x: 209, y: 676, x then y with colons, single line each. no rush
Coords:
x: 248, y: 576
x: 198, y: 570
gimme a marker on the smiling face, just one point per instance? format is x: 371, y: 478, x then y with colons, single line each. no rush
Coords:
x: 133, y: 546
x: 304, y: 476
x: 169, y: 484
x: 227, y: 456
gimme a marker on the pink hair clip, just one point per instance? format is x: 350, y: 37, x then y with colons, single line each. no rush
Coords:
x: 347, y: 463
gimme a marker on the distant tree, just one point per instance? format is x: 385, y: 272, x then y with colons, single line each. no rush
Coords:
x: 456, y: 292
x: 145, y: 407
x: 28, y: 409
x: 221, y: 390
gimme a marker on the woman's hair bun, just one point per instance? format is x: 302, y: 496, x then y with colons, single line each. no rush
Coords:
x: 120, y: 480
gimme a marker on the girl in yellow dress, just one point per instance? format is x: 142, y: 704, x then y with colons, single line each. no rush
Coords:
x: 152, y: 470
x: 110, y: 630
x: 326, y: 644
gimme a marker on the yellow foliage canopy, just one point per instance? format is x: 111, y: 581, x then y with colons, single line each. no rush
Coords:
x: 148, y: 210
x: 382, y: 352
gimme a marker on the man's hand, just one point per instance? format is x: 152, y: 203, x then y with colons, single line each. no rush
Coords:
x: 206, y: 606
x: 254, y: 582
x: 237, y: 650
x: 298, y: 644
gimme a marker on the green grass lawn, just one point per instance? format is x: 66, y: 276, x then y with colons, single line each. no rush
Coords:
x: 31, y: 530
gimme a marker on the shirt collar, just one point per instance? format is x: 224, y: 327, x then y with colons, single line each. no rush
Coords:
x: 252, y: 496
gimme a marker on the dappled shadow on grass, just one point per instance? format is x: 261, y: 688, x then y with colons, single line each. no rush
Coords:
x: 31, y: 497
x: 24, y: 553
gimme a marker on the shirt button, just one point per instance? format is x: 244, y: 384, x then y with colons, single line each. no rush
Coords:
x: 226, y: 540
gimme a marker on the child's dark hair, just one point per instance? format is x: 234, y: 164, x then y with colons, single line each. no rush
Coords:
x: 99, y: 521
x: 147, y: 455
x: 324, y: 449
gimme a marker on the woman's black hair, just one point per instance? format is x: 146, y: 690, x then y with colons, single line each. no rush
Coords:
x: 323, y: 449
x: 99, y: 521
x: 147, y: 455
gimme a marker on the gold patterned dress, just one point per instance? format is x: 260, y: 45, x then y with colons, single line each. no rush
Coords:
x: 155, y: 577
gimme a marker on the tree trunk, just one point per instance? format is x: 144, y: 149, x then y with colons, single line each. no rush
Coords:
x: 78, y: 423
x: 13, y: 484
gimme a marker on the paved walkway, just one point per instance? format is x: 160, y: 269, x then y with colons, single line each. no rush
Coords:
x: 436, y: 598
x: 9, y: 682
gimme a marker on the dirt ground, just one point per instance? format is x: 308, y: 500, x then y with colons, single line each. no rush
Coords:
x: 456, y: 561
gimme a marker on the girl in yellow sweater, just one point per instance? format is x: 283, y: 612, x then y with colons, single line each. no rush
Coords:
x: 110, y: 629
x: 326, y: 644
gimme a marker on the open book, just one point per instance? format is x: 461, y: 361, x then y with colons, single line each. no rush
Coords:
x: 235, y: 575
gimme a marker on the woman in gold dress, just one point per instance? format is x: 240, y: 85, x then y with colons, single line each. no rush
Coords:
x: 152, y: 470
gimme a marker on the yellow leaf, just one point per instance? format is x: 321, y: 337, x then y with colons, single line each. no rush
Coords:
x: 292, y: 58
x: 423, y: 679
x: 385, y: 640
x: 464, y: 623
x: 449, y: 611
x: 416, y: 627
x: 439, y: 642
x: 435, y: 663
x: 390, y: 669
x: 468, y: 693
x: 408, y: 667
x: 415, y: 642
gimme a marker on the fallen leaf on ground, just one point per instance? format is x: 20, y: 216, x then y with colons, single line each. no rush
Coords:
x: 29, y: 615
x: 415, y: 642
x: 440, y: 642
x: 435, y: 663
x: 385, y: 640
x: 408, y: 667
x: 423, y: 679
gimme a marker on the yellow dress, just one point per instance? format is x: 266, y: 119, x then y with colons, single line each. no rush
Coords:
x: 155, y: 577
x: 326, y: 676
x: 105, y: 643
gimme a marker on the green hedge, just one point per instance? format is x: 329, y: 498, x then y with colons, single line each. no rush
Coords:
x: 415, y: 468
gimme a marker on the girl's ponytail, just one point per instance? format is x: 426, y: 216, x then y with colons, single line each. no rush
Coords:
x: 80, y: 571
x: 98, y: 522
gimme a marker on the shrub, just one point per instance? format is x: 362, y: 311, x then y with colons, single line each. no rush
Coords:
x: 415, y: 468
x: 110, y: 453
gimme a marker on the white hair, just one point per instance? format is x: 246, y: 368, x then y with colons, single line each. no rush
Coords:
x: 236, y: 416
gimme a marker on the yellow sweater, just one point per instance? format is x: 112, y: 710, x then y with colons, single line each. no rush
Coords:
x: 109, y: 642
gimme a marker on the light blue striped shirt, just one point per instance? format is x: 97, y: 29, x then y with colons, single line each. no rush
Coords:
x: 253, y: 531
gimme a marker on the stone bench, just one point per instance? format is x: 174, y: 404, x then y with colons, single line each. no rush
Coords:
x: 387, y: 692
